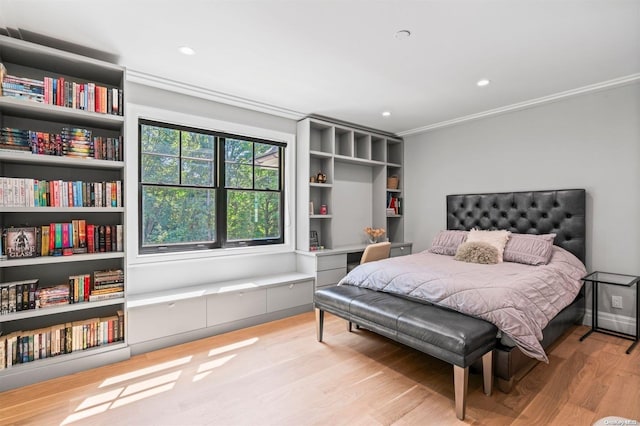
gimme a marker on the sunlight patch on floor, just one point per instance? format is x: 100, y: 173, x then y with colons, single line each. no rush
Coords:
x: 85, y: 413
x: 144, y: 371
x: 99, y: 399
x: 205, y: 368
x: 141, y: 395
x: 233, y: 346
x: 151, y: 383
x: 160, y: 382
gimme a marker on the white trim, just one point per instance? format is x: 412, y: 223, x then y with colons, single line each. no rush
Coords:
x: 212, y: 95
x: 135, y: 112
x: 522, y: 105
x: 619, y: 323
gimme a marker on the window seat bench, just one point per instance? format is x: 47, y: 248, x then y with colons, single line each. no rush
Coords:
x: 166, y: 318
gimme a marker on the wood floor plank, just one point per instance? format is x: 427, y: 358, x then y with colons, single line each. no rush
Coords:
x: 278, y: 374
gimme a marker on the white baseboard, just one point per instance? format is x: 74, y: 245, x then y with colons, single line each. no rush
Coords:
x: 619, y: 323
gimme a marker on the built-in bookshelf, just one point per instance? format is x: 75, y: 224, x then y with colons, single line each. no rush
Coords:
x: 61, y: 170
x: 355, y: 167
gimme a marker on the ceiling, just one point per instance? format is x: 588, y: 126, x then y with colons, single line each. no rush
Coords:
x: 340, y: 58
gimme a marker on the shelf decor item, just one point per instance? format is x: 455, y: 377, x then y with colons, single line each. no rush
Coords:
x: 321, y: 177
x: 392, y: 182
x: 374, y: 234
x: 323, y: 209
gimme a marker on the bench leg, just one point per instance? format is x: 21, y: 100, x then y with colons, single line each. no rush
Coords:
x: 349, y: 326
x: 319, y: 323
x: 487, y: 372
x: 460, y: 384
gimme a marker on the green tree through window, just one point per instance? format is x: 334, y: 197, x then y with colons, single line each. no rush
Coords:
x: 201, y: 189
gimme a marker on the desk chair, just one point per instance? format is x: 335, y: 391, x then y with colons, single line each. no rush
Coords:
x: 376, y: 251
x: 373, y: 252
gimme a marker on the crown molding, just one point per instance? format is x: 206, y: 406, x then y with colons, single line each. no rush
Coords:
x: 139, y: 77
x: 527, y: 104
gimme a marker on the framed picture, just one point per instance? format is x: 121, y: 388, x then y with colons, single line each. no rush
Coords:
x: 314, y: 241
x: 21, y: 243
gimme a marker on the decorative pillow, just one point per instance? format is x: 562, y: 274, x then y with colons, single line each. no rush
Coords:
x: 498, y: 239
x: 529, y: 249
x: 447, y: 242
x: 477, y: 252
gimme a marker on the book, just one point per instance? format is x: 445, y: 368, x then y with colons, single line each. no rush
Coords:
x: 106, y: 296
x: 21, y: 242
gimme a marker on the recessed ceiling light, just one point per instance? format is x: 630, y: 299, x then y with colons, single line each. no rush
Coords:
x: 186, y: 50
x: 483, y: 82
x: 386, y: 113
x: 402, y: 34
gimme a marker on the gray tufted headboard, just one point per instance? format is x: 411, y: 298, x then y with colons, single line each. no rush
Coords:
x: 560, y: 212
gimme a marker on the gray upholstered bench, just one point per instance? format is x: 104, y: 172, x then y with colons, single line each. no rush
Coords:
x: 447, y: 335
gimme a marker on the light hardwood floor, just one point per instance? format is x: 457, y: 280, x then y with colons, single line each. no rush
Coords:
x: 278, y: 374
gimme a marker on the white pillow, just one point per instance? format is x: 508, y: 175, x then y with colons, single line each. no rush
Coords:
x: 498, y: 239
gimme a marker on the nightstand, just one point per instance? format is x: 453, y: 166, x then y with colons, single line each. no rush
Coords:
x: 598, y: 278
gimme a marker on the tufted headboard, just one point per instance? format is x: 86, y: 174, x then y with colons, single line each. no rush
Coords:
x: 560, y: 212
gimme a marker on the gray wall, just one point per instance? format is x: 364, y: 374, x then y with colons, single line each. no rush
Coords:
x: 589, y: 141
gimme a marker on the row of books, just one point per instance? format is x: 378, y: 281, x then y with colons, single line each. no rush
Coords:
x: 394, y: 205
x: 25, y: 346
x: 23, y: 88
x: 28, y: 192
x: 61, y: 239
x: 70, y: 142
x: 87, y: 96
x: 25, y: 295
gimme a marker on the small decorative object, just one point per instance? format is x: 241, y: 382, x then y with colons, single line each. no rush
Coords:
x: 312, y: 179
x: 374, y: 233
x: 311, y: 211
x: 321, y: 177
x: 392, y: 182
x: 323, y: 209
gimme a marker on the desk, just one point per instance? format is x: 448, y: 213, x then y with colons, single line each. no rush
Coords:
x: 607, y: 278
x: 330, y: 265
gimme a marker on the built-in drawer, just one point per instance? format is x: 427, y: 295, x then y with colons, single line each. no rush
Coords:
x: 289, y: 296
x: 234, y: 306
x: 332, y: 262
x: 150, y: 322
x: 330, y: 277
x: 400, y: 251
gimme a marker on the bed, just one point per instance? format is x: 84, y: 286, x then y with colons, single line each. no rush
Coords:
x: 559, y: 212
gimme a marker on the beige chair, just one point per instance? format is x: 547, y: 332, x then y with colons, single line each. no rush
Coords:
x: 376, y: 251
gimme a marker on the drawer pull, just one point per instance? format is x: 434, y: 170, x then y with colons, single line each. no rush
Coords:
x: 172, y: 304
x: 291, y: 285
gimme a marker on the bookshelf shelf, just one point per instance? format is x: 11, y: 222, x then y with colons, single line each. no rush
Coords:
x: 62, y: 209
x: 33, y: 313
x: 49, y: 260
x: 42, y: 369
x: 40, y: 111
x: 25, y: 60
x: 320, y: 216
x: 51, y: 160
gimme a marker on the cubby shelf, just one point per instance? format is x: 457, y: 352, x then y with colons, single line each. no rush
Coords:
x: 353, y: 159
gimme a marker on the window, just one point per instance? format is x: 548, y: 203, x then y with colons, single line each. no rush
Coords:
x: 202, y: 189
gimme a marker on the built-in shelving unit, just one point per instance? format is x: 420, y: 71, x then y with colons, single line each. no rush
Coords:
x: 357, y: 164
x: 36, y: 62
